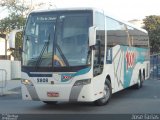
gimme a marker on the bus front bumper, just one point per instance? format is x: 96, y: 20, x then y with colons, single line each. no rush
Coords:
x: 58, y: 92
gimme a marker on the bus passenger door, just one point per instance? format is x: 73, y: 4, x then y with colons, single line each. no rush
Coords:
x: 99, y: 48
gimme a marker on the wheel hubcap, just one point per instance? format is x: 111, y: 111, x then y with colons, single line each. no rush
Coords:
x: 106, y: 93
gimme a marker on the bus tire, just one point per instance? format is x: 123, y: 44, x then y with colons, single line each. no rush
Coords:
x: 107, y: 94
x: 140, y: 81
x: 50, y: 102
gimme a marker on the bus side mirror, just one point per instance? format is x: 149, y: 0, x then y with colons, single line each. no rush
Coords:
x: 11, y: 39
x: 92, y: 36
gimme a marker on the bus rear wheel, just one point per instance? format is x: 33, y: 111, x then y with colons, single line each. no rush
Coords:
x: 140, y: 82
x: 107, y: 94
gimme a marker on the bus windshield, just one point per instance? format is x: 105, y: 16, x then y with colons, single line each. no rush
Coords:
x: 56, y: 40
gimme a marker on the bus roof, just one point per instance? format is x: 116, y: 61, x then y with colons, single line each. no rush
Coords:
x: 62, y: 9
x: 92, y: 9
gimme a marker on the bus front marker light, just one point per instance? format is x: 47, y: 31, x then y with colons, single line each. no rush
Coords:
x: 52, y: 82
x: 83, y: 96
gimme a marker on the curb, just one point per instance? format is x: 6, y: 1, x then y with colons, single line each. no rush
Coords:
x: 10, y: 92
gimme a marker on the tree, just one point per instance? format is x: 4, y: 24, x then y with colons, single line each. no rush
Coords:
x: 15, y: 6
x: 152, y: 25
x: 17, y: 12
x: 11, y: 22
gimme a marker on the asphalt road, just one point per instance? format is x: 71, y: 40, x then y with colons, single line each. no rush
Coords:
x: 129, y: 101
x: 129, y: 104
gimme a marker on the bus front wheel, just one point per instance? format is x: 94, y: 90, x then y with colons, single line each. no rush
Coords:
x: 107, y: 94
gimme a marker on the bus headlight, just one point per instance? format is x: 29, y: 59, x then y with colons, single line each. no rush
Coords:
x: 26, y: 82
x: 82, y: 82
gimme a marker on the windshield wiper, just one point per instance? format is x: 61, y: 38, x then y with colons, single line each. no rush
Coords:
x: 42, y: 52
x: 62, y: 55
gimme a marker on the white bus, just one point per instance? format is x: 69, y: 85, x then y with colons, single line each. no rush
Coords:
x: 81, y: 55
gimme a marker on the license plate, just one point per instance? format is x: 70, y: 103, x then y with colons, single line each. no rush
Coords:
x: 52, y: 94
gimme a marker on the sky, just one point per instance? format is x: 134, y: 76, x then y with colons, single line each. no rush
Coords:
x: 122, y: 9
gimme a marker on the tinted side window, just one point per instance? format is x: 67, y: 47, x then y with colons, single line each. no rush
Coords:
x: 138, y: 38
x: 117, y: 33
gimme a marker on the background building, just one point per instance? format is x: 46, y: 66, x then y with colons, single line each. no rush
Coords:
x: 4, y: 45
